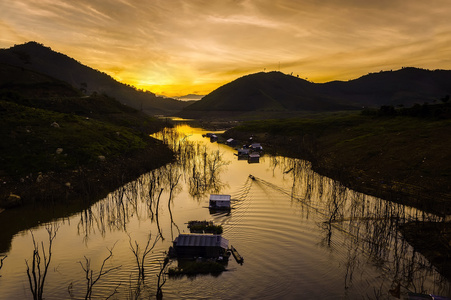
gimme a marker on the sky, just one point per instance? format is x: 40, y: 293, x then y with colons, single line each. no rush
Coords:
x: 179, y: 47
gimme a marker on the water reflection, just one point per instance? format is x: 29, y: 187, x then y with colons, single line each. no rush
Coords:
x: 195, y: 165
x: 287, y: 221
x: 370, y: 225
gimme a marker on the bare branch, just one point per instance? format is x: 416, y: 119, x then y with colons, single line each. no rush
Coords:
x: 1, y: 262
x: 140, y: 257
x: 89, y: 273
x: 37, y: 276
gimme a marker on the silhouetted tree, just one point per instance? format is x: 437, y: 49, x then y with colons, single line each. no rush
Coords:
x: 141, y: 256
x: 37, y: 273
x: 91, y: 280
x: 1, y: 262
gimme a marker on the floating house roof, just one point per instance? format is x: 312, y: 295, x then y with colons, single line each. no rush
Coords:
x: 219, y: 201
x: 201, y: 240
x: 256, y: 146
x: 218, y: 197
x: 243, y: 151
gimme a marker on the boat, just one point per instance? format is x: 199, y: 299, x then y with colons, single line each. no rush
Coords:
x: 239, y: 259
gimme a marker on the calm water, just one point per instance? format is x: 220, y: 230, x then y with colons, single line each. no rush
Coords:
x: 302, y: 236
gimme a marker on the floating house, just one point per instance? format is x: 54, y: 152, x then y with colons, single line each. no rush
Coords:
x: 243, y: 152
x: 219, y: 201
x: 200, y: 245
x: 253, y: 158
x: 256, y: 147
x: 231, y: 142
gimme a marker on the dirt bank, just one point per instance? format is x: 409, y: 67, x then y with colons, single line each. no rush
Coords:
x: 87, y: 183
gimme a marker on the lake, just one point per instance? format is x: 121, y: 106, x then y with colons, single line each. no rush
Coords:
x: 302, y: 235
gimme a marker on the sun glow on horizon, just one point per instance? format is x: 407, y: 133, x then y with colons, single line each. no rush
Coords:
x: 174, y: 47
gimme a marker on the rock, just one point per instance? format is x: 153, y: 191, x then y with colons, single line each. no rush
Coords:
x: 39, y: 178
x: 11, y: 201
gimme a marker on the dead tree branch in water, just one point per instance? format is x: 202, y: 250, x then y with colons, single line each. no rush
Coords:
x: 162, y: 278
x: 140, y: 257
x: 36, y: 275
x: 156, y: 215
x: 91, y: 280
x: 1, y: 262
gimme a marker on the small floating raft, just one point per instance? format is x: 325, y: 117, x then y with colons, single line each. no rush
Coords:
x: 239, y: 259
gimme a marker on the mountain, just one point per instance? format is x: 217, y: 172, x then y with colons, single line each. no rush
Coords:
x: 41, y: 59
x: 190, y: 97
x: 406, y: 86
x: 273, y: 91
x: 278, y: 92
x: 39, y: 114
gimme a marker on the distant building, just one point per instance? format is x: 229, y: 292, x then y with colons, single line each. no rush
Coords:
x: 231, y: 142
x: 243, y: 152
x: 213, y: 138
x: 200, y: 245
x: 219, y: 201
x: 256, y: 147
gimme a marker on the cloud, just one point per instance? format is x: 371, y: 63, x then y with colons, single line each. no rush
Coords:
x: 176, y: 45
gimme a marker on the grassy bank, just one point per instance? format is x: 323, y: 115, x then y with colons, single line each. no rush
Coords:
x: 64, y: 146
x: 404, y: 159
x: 399, y: 158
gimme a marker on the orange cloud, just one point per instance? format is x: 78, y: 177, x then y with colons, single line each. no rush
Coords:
x: 173, y: 47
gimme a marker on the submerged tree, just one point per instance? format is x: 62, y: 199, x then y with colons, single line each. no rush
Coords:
x: 40, y: 265
x: 1, y: 262
x: 92, y: 279
x: 140, y: 256
x: 162, y: 277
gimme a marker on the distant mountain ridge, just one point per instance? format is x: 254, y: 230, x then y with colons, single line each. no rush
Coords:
x: 38, y: 58
x: 275, y: 91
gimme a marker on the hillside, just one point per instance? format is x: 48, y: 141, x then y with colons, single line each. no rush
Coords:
x: 49, y: 130
x: 404, y: 87
x: 273, y: 91
x: 399, y: 158
x: 276, y: 92
x: 41, y: 59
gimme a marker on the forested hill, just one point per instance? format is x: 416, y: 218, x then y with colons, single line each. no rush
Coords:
x: 38, y: 58
x: 278, y: 92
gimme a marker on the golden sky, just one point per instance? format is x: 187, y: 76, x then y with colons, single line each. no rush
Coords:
x: 177, y: 47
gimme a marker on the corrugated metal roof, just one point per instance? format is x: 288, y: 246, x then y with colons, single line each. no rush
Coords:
x: 202, y: 240
x: 217, y: 197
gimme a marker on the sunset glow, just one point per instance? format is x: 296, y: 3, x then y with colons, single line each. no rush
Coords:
x: 176, y: 47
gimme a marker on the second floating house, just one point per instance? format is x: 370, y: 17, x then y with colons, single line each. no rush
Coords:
x: 218, y: 201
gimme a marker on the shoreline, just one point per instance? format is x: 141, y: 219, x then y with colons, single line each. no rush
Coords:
x: 87, y: 183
